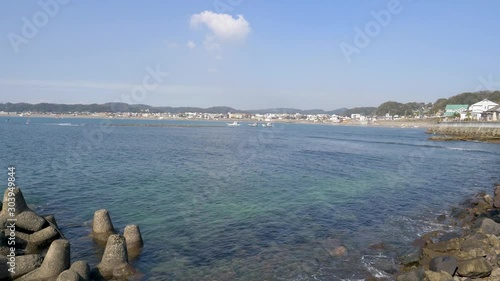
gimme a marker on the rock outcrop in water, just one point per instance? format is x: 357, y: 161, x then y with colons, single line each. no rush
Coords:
x: 32, y: 248
x: 471, y: 255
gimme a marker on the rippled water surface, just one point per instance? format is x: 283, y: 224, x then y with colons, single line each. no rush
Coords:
x: 244, y: 203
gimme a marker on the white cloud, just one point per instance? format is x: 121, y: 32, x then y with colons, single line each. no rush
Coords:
x: 221, y: 28
x: 191, y: 45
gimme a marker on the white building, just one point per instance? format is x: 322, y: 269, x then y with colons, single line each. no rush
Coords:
x: 477, y: 110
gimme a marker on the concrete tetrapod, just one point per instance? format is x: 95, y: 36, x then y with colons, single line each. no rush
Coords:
x: 68, y: 275
x: 23, y: 265
x: 55, y: 262
x: 82, y: 268
x: 133, y: 237
x: 79, y: 271
x: 102, y: 227
x: 114, y: 263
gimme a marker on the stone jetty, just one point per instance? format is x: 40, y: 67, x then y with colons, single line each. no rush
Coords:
x: 467, y: 131
x: 32, y: 247
x: 472, y: 254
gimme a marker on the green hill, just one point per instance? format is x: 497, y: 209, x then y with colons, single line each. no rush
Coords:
x: 466, y: 98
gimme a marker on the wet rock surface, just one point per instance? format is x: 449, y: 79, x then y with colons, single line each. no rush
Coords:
x: 474, y: 254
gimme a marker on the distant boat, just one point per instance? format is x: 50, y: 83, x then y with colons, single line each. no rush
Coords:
x: 28, y: 121
x: 253, y: 125
x: 234, y: 124
x: 268, y: 125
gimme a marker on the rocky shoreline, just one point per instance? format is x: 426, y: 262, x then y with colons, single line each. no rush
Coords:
x: 472, y: 254
x: 32, y: 247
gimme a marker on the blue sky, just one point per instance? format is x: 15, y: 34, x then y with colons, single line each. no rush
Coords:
x: 247, y: 54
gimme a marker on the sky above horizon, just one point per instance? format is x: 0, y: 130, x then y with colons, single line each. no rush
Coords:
x: 247, y: 54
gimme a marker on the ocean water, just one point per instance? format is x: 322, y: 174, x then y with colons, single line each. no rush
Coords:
x: 244, y: 203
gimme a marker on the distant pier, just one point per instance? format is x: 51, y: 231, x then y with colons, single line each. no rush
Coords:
x: 468, y: 131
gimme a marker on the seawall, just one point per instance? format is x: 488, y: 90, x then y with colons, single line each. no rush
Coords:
x: 480, y: 131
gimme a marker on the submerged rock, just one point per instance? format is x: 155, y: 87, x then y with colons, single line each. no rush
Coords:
x: 414, y: 275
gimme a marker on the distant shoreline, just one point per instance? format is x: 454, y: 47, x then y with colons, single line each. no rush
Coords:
x: 401, y: 123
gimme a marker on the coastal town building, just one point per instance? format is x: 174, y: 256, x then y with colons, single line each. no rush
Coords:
x: 455, y: 110
x: 477, y: 111
x: 493, y: 114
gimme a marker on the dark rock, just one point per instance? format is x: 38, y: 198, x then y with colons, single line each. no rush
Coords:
x: 415, y: 275
x: 412, y: 258
x: 441, y: 218
x: 493, y: 214
x: 474, y: 268
x: 448, y: 264
x: 496, y: 197
x: 488, y: 226
x: 386, y: 265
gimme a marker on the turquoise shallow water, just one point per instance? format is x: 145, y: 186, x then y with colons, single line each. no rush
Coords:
x: 222, y: 203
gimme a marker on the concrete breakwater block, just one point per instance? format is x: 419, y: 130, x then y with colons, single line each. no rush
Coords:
x: 114, y: 263
x: 102, y: 227
x: 79, y: 271
x: 82, y: 268
x: 23, y: 265
x: 18, y: 198
x: 55, y: 262
x: 33, y: 232
x: 68, y: 275
x: 34, y: 242
x: 133, y: 238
